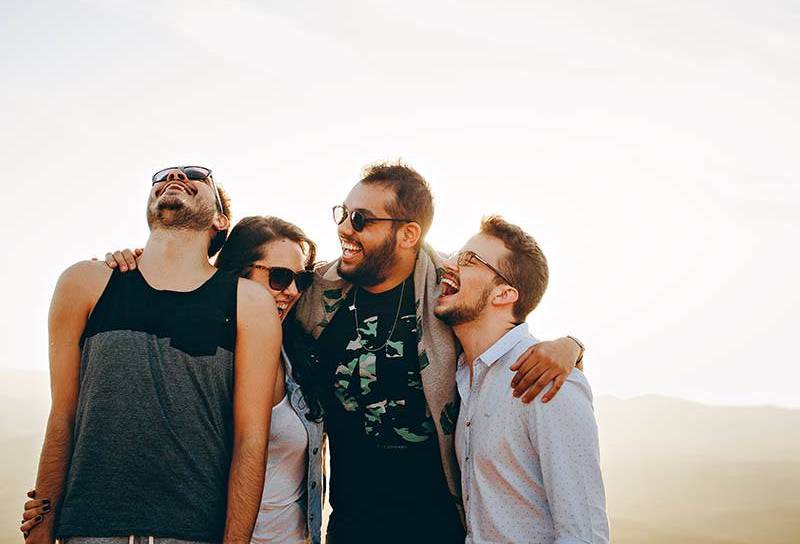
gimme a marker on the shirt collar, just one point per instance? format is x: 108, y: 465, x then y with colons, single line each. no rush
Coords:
x: 505, y: 344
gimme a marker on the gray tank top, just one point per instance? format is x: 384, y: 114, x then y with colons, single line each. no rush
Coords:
x: 153, y: 429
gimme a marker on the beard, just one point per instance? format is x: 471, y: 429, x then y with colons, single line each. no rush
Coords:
x: 465, y: 312
x: 171, y: 212
x: 375, y: 265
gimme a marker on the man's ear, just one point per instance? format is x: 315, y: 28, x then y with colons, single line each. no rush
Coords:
x: 506, y: 295
x: 221, y: 222
x: 409, y: 234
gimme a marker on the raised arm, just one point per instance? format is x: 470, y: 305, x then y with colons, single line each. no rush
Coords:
x: 545, y: 363
x: 77, y: 290
x: 564, y: 433
x: 258, y: 343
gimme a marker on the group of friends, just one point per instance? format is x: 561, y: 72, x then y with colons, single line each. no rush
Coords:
x: 192, y: 402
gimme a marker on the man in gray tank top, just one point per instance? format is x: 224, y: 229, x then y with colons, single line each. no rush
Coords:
x: 162, y: 385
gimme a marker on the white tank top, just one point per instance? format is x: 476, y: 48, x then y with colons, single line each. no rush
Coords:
x: 282, y: 516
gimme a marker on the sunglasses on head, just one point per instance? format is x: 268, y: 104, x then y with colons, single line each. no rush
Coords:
x: 358, y: 219
x: 194, y: 173
x: 466, y: 258
x: 281, y: 278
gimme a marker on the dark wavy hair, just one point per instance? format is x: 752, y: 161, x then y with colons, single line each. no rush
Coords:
x: 245, y: 245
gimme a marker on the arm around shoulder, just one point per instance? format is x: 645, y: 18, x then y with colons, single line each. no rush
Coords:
x: 256, y: 359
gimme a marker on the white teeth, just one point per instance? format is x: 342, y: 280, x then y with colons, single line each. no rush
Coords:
x: 349, y: 246
x: 451, y: 283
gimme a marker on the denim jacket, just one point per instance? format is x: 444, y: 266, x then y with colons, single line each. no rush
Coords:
x: 314, y: 480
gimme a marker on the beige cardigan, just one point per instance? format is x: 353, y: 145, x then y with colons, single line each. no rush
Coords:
x: 436, y: 344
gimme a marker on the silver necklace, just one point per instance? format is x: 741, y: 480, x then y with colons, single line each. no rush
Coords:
x: 394, y: 326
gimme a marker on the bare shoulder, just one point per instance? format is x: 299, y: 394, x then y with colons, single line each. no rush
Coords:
x: 255, y: 304
x: 84, y: 280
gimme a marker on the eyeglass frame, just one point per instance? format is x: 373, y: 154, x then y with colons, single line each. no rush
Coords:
x: 208, y: 176
x: 269, y: 269
x: 349, y: 214
x: 472, y: 255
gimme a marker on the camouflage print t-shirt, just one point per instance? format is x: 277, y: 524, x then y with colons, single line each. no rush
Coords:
x: 385, y: 465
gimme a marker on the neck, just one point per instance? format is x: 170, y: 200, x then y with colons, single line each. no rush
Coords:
x: 400, y: 271
x: 480, y: 334
x: 176, y: 259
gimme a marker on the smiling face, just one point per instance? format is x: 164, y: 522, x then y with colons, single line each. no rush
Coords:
x: 280, y: 253
x: 466, y: 290
x: 368, y: 256
x: 181, y: 203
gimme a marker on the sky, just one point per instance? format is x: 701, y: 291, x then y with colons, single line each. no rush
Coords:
x: 649, y: 147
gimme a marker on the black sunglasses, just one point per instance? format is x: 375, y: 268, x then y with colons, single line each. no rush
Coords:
x: 281, y: 278
x: 465, y: 258
x: 194, y: 173
x: 358, y: 219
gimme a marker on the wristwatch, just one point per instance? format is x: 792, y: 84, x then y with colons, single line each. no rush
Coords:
x: 580, y: 345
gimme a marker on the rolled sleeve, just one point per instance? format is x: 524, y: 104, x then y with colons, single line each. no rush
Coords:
x: 564, y: 434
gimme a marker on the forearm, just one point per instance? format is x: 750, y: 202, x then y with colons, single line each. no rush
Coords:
x: 53, y: 466
x: 245, y: 485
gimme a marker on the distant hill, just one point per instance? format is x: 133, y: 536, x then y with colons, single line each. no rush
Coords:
x: 675, y: 471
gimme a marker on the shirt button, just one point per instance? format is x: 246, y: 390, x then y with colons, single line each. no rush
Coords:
x: 466, y: 458
x: 468, y: 423
x: 315, y: 451
x: 313, y: 485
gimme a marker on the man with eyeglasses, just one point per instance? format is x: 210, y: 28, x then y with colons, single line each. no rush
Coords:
x: 529, y: 472
x: 162, y: 383
x: 388, y: 368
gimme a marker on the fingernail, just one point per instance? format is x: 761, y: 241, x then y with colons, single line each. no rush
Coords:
x: 46, y: 509
x: 46, y: 502
x: 123, y: 268
x: 39, y: 518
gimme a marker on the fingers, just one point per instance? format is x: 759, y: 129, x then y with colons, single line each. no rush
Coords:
x: 130, y: 259
x: 110, y: 261
x: 30, y: 524
x: 526, y: 378
x: 35, y: 508
x: 522, y: 358
x: 559, y: 381
x: 538, y: 386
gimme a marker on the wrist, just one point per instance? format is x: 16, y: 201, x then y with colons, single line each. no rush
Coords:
x: 581, y: 349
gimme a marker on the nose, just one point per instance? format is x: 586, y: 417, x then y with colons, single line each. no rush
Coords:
x: 176, y: 174
x: 292, y: 289
x: 345, y: 228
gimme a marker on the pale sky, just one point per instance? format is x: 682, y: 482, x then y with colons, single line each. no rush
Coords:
x: 650, y: 147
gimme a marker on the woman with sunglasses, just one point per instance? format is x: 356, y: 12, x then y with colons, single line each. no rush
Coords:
x: 279, y: 256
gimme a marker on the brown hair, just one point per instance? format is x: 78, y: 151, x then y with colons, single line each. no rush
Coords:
x: 412, y: 194
x: 242, y: 249
x: 218, y: 240
x: 525, y: 265
x: 244, y: 244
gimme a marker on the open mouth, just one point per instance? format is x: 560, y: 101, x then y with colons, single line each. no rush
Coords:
x: 283, y: 307
x: 350, y: 249
x: 450, y: 285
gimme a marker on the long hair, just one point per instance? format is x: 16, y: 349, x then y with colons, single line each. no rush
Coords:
x: 244, y: 247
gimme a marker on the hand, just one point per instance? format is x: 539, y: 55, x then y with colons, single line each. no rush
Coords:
x: 35, y: 511
x: 125, y: 259
x: 541, y: 364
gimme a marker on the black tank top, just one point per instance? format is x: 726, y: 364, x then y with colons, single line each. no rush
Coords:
x: 154, y: 422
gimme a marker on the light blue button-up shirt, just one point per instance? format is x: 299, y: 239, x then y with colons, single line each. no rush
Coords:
x: 529, y: 472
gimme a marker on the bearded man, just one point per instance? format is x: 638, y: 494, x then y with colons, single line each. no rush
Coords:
x: 162, y: 382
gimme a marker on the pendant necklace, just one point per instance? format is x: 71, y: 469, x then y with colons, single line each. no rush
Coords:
x: 394, y: 326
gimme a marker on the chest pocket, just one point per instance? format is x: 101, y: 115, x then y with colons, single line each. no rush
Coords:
x: 198, y: 330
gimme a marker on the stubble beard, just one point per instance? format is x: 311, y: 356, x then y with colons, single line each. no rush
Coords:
x: 465, y: 313
x: 375, y: 266
x: 170, y: 212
